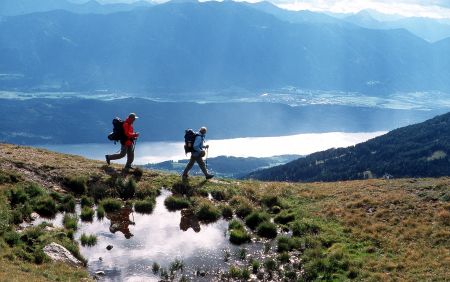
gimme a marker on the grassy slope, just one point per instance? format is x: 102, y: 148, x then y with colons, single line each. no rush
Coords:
x: 378, y: 229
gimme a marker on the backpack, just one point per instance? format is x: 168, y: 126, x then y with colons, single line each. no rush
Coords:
x: 189, y: 139
x: 117, y: 134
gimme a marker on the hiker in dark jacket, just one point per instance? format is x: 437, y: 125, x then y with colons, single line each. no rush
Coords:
x: 198, y: 154
x: 127, y: 147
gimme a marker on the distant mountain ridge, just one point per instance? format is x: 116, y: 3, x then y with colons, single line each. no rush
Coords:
x: 209, y: 46
x: 419, y: 150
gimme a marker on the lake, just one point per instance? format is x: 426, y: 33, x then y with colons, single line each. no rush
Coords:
x: 153, y: 152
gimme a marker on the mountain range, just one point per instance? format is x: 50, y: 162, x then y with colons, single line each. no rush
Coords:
x: 191, y: 46
x: 419, y: 150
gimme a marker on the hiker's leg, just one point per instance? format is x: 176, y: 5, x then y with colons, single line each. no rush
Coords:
x: 130, y: 156
x: 189, y: 166
x: 123, y: 152
x: 202, y: 165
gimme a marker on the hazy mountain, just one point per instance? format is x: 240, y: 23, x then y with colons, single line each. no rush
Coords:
x: 427, y: 28
x: 420, y: 150
x: 208, y: 46
x: 69, y: 121
x: 224, y: 166
x: 22, y: 7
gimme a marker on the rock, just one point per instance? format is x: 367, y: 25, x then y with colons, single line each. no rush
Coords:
x: 100, y: 273
x: 34, y: 215
x: 49, y: 228
x: 109, y: 247
x: 58, y: 253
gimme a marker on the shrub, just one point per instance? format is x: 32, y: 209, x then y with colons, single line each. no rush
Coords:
x: 67, y: 204
x: 4, y: 217
x: 88, y: 240
x: 284, y: 217
x: 255, y: 218
x: 87, y: 201
x: 111, y: 205
x: 77, y: 184
x: 239, y: 236
x: 45, y: 206
x: 207, y: 212
x: 100, y: 212
x: 87, y: 214
x: 227, y: 212
x: 303, y: 227
x: 267, y: 230
x: 173, y: 203
x: 145, y: 206
x: 39, y: 256
x: 70, y: 221
x: 56, y: 196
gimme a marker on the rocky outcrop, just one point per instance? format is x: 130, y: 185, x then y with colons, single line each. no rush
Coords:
x: 58, y: 253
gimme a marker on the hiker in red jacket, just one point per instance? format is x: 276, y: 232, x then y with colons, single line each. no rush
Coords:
x: 128, y: 142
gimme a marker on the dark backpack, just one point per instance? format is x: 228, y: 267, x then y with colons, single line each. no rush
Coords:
x: 117, y: 134
x: 189, y: 139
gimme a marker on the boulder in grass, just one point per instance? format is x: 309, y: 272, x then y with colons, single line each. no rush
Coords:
x: 60, y: 254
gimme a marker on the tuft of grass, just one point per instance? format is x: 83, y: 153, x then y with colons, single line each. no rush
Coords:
x: 76, y: 184
x: 270, y: 265
x: 304, y: 226
x: 67, y: 204
x: 176, y: 265
x: 88, y: 240
x: 219, y: 195
x: 239, y: 236
x: 227, y: 211
x: 207, y: 212
x: 235, y: 224
x: 87, y: 214
x: 255, y: 218
x: 45, y: 206
x: 174, y: 203
x: 155, y: 267
x: 267, y: 230
x: 270, y: 201
x: 145, y: 206
x: 100, y: 212
x: 12, y: 238
x: 284, y: 217
x: 286, y: 244
x: 70, y: 221
x: 34, y: 190
x: 126, y: 189
x: 255, y: 266
x: 111, y: 205
x: 243, y: 210
x: 87, y: 201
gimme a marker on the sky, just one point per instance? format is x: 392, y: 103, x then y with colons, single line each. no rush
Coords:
x: 409, y: 8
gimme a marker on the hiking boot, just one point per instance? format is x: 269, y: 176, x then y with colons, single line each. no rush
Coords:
x: 209, y: 176
x: 108, y: 161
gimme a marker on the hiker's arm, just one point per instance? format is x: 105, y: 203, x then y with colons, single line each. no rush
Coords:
x: 129, y: 131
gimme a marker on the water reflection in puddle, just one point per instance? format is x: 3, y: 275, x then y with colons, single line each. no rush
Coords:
x: 139, y: 240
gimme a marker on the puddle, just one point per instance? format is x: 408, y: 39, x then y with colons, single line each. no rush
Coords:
x: 139, y: 240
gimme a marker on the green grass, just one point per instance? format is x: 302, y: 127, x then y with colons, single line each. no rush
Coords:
x: 174, y: 203
x: 284, y: 217
x: 255, y: 218
x: 88, y: 240
x: 100, y: 212
x: 207, y: 212
x: 111, y: 205
x: 239, y: 236
x: 267, y: 230
x: 87, y: 214
x: 76, y: 184
x: 86, y: 201
x: 45, y: 206
x: 145, y: 206
x: 70, y: 221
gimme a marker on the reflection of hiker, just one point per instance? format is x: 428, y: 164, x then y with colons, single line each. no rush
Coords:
x: 197, y: 155
x: 120, y: 221
x: 127, y: 143
x: 188, y: 220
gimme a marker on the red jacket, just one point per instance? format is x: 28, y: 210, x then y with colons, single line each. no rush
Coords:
x: 129, y: 132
